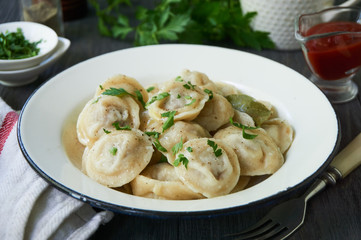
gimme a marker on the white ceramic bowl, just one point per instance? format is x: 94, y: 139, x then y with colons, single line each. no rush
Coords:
x: 15, y: 78
x: 296, y: 99
x: 32, y: 32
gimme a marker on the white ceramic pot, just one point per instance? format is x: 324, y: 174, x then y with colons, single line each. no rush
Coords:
x: 277, y: 17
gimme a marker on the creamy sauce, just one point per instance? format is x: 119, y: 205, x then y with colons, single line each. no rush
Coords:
x: 73, y: 148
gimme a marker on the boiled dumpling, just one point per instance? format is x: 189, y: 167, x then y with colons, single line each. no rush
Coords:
x: 101, y: 114
x: 161, y: 182
x: 199, y: 79
x: 185, y: 99
x: 280, y: 131
x: 206, y: 172
x: 180, y: 131
x: 256, y: 156
x: 241, y: 184
x: 226, y: 89
x: 243, y: 118
x: 215, y: 113
x: 129, y: 84
x: 118, y: 157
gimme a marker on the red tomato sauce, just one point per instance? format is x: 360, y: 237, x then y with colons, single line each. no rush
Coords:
x: 333, y: 57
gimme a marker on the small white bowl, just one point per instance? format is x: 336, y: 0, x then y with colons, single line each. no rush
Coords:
x: 32, y: 32
x: 15, y: 78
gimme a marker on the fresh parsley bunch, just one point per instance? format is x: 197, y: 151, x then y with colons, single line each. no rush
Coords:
x: 187, y: 21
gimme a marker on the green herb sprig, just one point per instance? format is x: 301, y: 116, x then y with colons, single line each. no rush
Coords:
x: 187, y: 21
x: 170, y: 119
x: 14, y: 45
x: 243, y: 127
x: 181, y: 159
x: 217, y: 151
x: 156, y: 141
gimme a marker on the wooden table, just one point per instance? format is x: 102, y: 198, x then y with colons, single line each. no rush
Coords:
x: 332, y: 214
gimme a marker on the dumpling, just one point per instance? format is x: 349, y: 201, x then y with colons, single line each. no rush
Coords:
x: 216, y: 112
x: 226, y: 89
x: 117, y: 158
x: 241, y: 184
x: 180, y: 131
x: 129, y: 84
x: 280, y: 131
x: 207, y: 173
x: 243, y: 118
x: 256, y: 156
x: 199, y: 79
x: 160, y: 181
x: 185, y: 99
x: 101, y: 114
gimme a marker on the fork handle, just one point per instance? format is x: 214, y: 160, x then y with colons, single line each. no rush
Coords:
x: 349, y: 158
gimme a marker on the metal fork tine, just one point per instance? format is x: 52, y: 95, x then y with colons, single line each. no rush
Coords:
x: 253, y: 231
x: 278, y: 229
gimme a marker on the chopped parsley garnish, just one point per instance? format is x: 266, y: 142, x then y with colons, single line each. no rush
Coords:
x: 96, y: 100
x: 189, y: 85
x: 191, y: 102
x: 244, y: 134
x: 178, y: 96
x: 178, y: 79
x: 113, y: 151
x: 189, y: 149
x: 14, y: 45
x: 158, y: 97
x: 170, y: 119
x: 117, y: 92
x: 209, y: 92
x: 140, y: 97
x: 217, y: 152
x: 181, y: 159
x: 118, y: 127
x: 163, y: 159
x: 177, y: 147
x: 150, y: 89
x: 101, y: 87
x: 121, y: 92
x: 156, y: 141
x: 106, y: 131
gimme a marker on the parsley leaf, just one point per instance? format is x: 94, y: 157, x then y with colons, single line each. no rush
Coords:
x: 217, y: 152
x: 150, y: 89
x: 156, y: 141
x: 121, y: 92
x: 106, y: 131
x: 170, y: 119
x: 117, y: 92
x: 181, y: 159
x: 209, y: 92
x: 113, y: 151
x: 158, y: 97
x: 118, y: 127
x: 186, y: 21
x: 177, y: 147
x: 244, y: 134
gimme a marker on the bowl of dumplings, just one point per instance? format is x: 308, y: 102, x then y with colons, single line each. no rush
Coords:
x: 179, y: 141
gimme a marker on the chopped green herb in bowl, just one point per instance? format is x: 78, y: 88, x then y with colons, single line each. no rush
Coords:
x: 25, y: 44
x: 14, y: 45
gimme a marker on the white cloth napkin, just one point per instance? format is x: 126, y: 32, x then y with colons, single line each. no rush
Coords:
x: 29, y: 207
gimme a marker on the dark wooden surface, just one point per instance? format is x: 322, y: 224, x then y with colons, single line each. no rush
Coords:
x: 334, y: 213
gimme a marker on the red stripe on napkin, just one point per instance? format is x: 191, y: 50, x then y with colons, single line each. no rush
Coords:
x: 6, y: 127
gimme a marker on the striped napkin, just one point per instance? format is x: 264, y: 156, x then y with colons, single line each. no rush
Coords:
x: 30, y: 207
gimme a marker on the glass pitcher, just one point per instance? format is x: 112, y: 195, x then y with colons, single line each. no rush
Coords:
x: 331, y: 43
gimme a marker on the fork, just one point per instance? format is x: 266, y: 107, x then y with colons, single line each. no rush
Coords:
x: 287, y: 217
